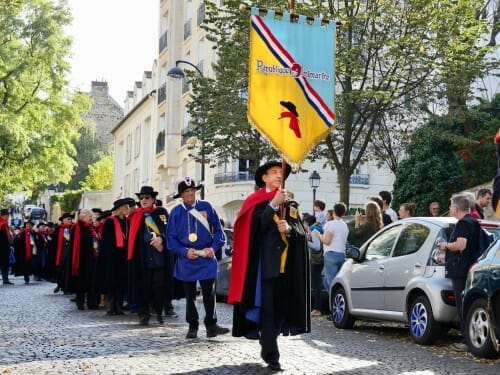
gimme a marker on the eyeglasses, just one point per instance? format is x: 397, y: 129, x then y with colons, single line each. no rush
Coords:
x: 144, y: 197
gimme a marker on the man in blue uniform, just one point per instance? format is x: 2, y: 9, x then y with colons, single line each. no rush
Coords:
x: 194, y: 233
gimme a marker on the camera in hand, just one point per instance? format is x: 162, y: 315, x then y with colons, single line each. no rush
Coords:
x: 361, y: 211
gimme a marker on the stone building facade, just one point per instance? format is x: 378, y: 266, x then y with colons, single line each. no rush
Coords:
x: 104, y: 114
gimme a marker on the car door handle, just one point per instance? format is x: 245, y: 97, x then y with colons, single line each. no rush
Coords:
x: 381, y: 267
x: 418, y: 265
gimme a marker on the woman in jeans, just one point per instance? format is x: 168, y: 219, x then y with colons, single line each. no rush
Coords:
x: 334, y: 241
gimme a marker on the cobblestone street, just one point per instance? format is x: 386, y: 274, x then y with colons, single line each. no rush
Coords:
x: 43, y: 333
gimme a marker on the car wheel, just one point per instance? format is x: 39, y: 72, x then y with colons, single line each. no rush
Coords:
x: 423, y: 328
x: 477, y: 330
x: 340, y: 311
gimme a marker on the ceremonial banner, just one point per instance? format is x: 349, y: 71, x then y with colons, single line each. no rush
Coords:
x: 291, y: 81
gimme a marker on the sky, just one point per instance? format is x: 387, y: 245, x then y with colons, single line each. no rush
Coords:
x: 113, y: 41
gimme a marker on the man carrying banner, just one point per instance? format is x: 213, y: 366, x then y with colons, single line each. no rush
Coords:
x: 269, y: 284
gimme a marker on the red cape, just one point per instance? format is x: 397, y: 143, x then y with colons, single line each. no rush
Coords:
x: 241, y: 243
x: 135, y: 224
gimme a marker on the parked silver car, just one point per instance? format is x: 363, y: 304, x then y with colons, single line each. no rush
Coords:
x: 394, y: 277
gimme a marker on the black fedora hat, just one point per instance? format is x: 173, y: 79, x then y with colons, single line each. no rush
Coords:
x: 263, y: 169
x: 185, y: 184
x: 147, y: 190
x: 65, y: 216
x: 121, y: 202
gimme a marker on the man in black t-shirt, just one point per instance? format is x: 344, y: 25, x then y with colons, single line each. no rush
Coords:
x: 459, y: 254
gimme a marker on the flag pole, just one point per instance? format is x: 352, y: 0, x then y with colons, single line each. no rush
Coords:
x: 283, y: 178
x: 292, y: 6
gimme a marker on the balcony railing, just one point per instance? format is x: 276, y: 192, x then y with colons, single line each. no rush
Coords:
x: 187, y: 29
x: 162, y: 93
x: 359, y: 179
x: 163, y: 41
x: 222, y: 178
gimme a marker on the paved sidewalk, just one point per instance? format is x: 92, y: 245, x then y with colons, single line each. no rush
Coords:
x: 43, y: 333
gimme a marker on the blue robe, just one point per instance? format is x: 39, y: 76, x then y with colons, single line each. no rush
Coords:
x: 177, y: 234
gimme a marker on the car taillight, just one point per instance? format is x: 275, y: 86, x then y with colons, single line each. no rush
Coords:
x: 448, y: 297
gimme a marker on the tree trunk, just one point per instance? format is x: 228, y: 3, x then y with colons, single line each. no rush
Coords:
x: 343, y: 178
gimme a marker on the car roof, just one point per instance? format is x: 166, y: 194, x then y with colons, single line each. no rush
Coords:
x: 438, y: 220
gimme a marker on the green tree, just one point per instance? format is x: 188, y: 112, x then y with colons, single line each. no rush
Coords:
x: 88, y: 152
x: 394, y: 53
x: 100, y: 174
x: 442, y: 160
x: 39, y: 118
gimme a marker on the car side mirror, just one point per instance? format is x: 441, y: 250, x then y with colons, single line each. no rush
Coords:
x: 353, y: 253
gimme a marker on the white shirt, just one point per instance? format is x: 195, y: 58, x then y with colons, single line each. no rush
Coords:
x: 339, y: 230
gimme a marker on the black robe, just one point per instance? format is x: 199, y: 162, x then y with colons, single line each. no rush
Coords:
x: 22, y: 266
x: 114, y: 257
x: 85, y: 279
x: 292, y: 309
x: 138, y: 287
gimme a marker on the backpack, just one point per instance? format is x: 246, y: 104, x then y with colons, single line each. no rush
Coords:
x: 485, y: 240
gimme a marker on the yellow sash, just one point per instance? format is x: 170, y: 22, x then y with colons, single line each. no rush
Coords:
x: 150, y: 223
x: 285, y: 251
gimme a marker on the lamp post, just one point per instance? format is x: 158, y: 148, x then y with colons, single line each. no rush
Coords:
x: 177, y: 73
x: 51, y: 190
x: 314, y: 180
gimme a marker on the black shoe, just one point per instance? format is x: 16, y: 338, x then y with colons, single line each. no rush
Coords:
x: 80, y: 307
x: 253, y: 334
x: 7, y: 282
x: 144, y: 321
x: 159, y: 318
x: 216, y: 330
x: 170, y: 313
x: 192, y: 333
x: 57, y: 289
x: 274, y: 366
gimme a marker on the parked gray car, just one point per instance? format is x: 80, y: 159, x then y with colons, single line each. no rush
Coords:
x: 394, y: 277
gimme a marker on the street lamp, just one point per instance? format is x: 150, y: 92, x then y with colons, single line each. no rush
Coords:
x: 177, y: 73
x: 51, y: 190
x: 314, y: 180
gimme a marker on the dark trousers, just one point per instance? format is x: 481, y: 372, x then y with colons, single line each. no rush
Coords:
x: 5, y: 272
x: 316, y: 284
x: 114, y: 302
x: 208, y: 293
x: 92, y: 299
x: 155, y: 289
x: 270, y: 323
x: 458, y: 288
